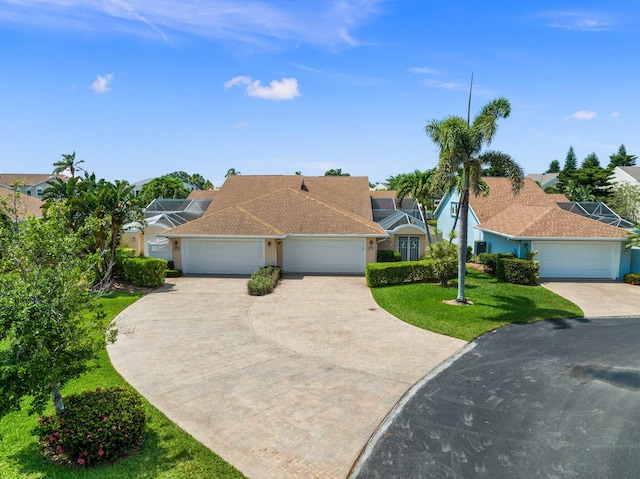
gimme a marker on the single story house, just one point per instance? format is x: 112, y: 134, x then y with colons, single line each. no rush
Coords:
x: 545, y: 180
x: 569, y: 244
x: 21, y: 206
x: 324, y: 224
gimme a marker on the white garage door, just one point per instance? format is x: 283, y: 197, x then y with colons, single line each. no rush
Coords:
x: 222, y: 257
x: 302, y: 255
x: 578, y: 259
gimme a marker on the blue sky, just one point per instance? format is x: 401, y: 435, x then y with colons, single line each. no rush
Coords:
x: 140, y: 88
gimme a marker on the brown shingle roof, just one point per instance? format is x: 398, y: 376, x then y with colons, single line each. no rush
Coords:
x: 203, y: 194
x: 262, y: 217
x: 26, y: 205
x: 534, y: 214
x: 28, y: 179
x: 255, y: 206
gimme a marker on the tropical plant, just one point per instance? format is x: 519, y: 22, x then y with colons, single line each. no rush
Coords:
x: 232, y: 172
x: 625, y: 200
x: 576, y: 192
x: 68, y: 162
x: 418, y: 186
x: 461, y: 143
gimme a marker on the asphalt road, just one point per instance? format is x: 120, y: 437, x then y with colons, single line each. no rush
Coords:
x: 547, y: 400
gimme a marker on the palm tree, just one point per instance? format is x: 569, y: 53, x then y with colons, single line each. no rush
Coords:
x: 68, y: 162
x: 461, y: 143
x: 231, y: 172
x: 418, y: 186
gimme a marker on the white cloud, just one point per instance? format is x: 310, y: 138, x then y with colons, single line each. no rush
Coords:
x: 578, y: 20
x: 285, y: 89
x: 614, y: 114
x: 423, y: 71
x: 101, y: 84
x: 583, y: 115
x: 264, y: 23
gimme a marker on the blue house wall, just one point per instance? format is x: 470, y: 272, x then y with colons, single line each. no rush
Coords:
x: 446, y: 216
x: 634, y: 260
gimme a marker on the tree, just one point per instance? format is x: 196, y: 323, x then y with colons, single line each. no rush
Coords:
x: 47, y: 333
x: 232, y: 172
x: 590, y: 161
x: 625, y: 201
x: 621, y: 158
x: 570, y: 162
x: 335, y: 172
x: 110, y: 205
x: 197, y: 180
x: 162, y: 187
x: 68, y: 162
x: 554, y: 167
x: 460, y: 143
x: 578, y: 192
x: 418, y: 186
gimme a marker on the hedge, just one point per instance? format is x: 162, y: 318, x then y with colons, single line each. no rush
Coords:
x: 489, y: 260
x: 387, y: 274
x: 632, y: 278
x: 121, y: 254
x: 264, y: 280
x: 143, y: 271
x: 517, y: 271
x: 388, y: 256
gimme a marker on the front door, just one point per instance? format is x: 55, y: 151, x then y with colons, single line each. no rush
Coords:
x: 409, y: 247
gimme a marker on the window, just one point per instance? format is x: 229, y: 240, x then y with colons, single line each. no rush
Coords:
x: 39, y: 192
x: 454, y: 209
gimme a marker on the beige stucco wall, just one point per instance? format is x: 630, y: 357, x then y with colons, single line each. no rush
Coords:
x: 371, y: 250
x: 177, y: 252
x: 133, y: 240
x: 270, y: 256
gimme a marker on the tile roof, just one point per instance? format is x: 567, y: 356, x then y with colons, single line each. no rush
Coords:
x: 281, y: 205
x: 534, y: 214
x: 27, y: 205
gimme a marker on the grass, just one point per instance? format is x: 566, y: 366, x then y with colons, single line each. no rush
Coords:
x: 168, y: 453
x: 494, y: 304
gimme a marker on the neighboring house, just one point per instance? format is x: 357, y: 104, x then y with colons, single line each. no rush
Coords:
x: 321, y: 224
x: 569, y: 244
x: 626, y: 174
x: 544, y: 179
x: 28, y: 183
x: 160, y: 216
x: 21, y: 206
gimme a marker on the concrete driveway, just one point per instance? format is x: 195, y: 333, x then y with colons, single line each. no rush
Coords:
x: 599, y: 298
x: 289, y: 385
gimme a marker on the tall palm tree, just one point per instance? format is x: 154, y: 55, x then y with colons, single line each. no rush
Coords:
x: 68, y: 162
x: 461, y: 144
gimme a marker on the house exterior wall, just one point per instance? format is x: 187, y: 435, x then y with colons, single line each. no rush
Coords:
x: 176, y: 248
x: 270, y: 252
x: 634, y: 260
x: 372, y: 250
x: 446, y: 216
x: 133, y: 240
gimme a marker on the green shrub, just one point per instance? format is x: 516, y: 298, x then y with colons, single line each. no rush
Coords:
x: 170, y: 264
x: 632, y: 278
x: 388, y: 256
x: 444, y: 256
x: 121, y: 254
x: 264, y: 281
x: 96, y: 427
x: 490, y: 260
x: 386, y: 274
x: 148, y: 272
x: 517, y: 271
x: 433, y: 223
x: 469, y: 256
x: 173, y: 273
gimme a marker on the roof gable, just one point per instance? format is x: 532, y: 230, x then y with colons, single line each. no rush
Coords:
x: 27, y: 179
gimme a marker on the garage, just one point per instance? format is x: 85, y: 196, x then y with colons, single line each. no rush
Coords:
x: 222, y: 256
x: 578, y: 259
x: 328, y: 255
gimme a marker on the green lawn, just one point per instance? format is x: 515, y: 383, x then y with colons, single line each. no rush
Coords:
x: 168, y: 453
x: 494, y: 304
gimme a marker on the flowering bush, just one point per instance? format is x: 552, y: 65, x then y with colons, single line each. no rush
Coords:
x: 95, y: 427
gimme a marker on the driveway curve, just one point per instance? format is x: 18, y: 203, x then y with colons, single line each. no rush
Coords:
x: 289, y: 385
